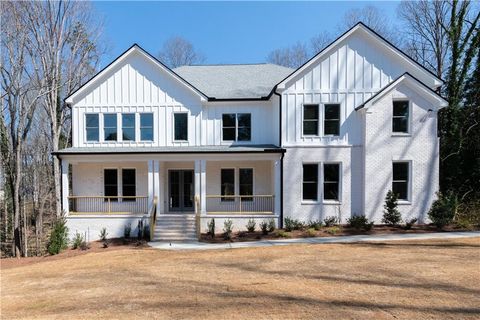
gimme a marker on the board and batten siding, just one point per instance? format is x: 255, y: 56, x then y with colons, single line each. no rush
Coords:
x: 349, y: 74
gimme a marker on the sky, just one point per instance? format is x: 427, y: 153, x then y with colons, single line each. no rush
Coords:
x: 224, y: 32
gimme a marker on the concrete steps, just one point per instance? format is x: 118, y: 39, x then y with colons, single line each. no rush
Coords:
x: 175, y: 227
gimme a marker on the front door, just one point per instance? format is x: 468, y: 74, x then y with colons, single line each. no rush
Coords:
x: 181, y: 190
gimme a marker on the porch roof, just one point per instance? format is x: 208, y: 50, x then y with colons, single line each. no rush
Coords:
x: 264, y: 148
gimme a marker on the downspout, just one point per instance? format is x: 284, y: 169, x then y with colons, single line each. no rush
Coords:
x: 61, y: 183
x: 283, y: 153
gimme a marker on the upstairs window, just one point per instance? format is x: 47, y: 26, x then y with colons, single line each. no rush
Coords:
x: 146, y: 126
x: 331, y: 121
x: 236, y: 127
x: 181, y: 126
x: 310, y: 120
x: 110, y: 127
x: 400, y: 117
x: 91, y: 125
x: 110, y: 183
x: 128, y: 127
x: 400, y: 179
x: 128, y: 184
x: 228, y: 184
x: 246, y: 183
x: 310, y: 182
x: 331, y: 181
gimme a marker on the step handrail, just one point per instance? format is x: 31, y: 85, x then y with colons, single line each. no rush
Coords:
x: 153, y: 218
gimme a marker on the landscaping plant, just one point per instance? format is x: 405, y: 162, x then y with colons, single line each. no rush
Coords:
x: 58, y: 237
x: 360, y: 222
x: 127, y: 230
x: 103, y: 237
x: 79, y: 242
x: 311, y: 232
x: 293, y: 224
x: 227, y: 229
x: 391, y: 215
x: 211, y: 228
x: 251, y: 225
x: 271, y: 225
x: 315, y: 224
x: 330, y: 221
x: 264, y: 227
x: 283, y: 234
x: 443, y: 210
x: 409, y: 224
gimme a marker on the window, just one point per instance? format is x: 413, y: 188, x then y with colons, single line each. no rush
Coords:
x: 110, y: 127
x: 128, y: 184
x: 400, y: 117
x: 400, y: 179
x: 310, y: 119
x: 331, y: 181
x: 128, y: 127
x: 310, y: 182
x: 236, y: 127
x: 146, y: 126
x: 246, y: 183
x: 181, y: 126
x: 91, y: 125
x: 110, y: 183
x: 228, y: 184
x: 332, y: 120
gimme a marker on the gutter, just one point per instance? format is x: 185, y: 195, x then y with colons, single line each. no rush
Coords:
x: 274, y: 91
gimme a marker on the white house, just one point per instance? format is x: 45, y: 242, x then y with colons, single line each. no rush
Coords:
x: 176, y: 148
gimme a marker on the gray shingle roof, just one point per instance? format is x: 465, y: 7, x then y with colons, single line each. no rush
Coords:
x: 236, y: 81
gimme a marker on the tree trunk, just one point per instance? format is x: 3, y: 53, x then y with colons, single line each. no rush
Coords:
x: 57, y: 174
x: 25, y: 231
x: 17, y: 251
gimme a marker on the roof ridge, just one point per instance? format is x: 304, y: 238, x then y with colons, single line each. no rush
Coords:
x: 224, y: 64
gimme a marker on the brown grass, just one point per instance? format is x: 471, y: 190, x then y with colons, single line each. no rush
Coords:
x: 409, y: 280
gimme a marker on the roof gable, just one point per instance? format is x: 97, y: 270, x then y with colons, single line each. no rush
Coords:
x: 410, y: 65
x: 135, y: 49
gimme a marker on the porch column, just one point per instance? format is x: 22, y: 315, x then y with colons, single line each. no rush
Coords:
x: 276, y: 186
x: 150, y: 191
x: 201, y: 184
x: 156, y: 184
x: 65, y: 187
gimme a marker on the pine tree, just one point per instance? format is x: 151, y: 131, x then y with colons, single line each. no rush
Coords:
x: 391, y: 215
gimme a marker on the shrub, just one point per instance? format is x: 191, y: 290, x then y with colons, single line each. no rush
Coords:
x: 360, y: 222
x: 140, y: 230
x: 264, y: 227
x: 330, y: 221
x: 293, y: 224
x: 391, y: 215
x: 58, y: 237
x: 251, y: 225
x: 409, y: 224
x: 271, y: 225
x: 103, y: 237
x: 127, y: 230
x: 211, y: 228
x: 227, y: 229
x: 311, y: 232
x: 79, y: 242
x: 333, y: 230
x: 443, y: 210
x: 283, y: 234
x: 315, y: 224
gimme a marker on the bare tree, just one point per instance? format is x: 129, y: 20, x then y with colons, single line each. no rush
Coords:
x: 178, y: 51
x: 426, y: 39
x: 65, y: 53
x: 291, y: 57
x: 320, y: 41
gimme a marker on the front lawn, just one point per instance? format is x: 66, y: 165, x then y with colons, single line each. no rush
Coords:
x: 382, y: 280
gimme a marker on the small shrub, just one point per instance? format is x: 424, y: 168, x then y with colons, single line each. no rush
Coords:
x: 333, y: 230
x: 330, y: 221
x: 443, y: 210
x: 77, y: 240
x: 140, y: 230
x: 409, y: 223
x: 211, y: 228
x: 311, y: 232
x: 271, y: 225
x: 360, y: 222
x: 264, y: 227
x: 315, y: 224
x: 293, y: 224
x: 127, y: 230
x: 464, y: 224
x: 58, y: 237
x: 251, y: 225
x: 103, y: 237
x: 227, y: 229
x: 391, y: 215
x: 283, y: 234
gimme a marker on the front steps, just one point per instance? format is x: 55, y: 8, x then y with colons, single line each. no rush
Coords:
x: 175, y: 227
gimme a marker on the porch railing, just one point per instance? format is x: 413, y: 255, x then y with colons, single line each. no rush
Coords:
x: 254, y: 204
x: 108, y: 205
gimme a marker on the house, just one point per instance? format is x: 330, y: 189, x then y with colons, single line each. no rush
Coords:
x: 176, y: 148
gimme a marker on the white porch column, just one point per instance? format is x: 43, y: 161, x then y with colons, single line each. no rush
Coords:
x: 196, y: 179
x: 150, y: 191
x: 203, y: 187
x: 156, y: 184
x: 276, y: 186
x: 65, y: 187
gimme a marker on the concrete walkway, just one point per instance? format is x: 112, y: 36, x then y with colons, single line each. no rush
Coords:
x: 195, y: 245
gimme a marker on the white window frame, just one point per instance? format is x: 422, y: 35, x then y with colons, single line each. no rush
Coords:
x: 236, y: 128
x: 319, y: 193
x: 136, y: 179
x: 235, y: 181
x: 119, y: 179
x: 340, y: 182
x: 321, y: 120
x: 318, y: 120
x: 409, y: 182
x: 409, y: 120
x: 173, y: 125
x: 120, y: 138
x: 339, y: 119
x: 85, y: 127
x: 140, y: 127
x: 117, y: 125
x: 253, y: 179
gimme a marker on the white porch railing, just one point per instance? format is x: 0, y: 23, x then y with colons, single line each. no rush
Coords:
x: 254, y: 204
x: 108, y: 205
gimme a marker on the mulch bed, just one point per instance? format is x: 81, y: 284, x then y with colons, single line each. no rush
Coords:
x: 342, y: 230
